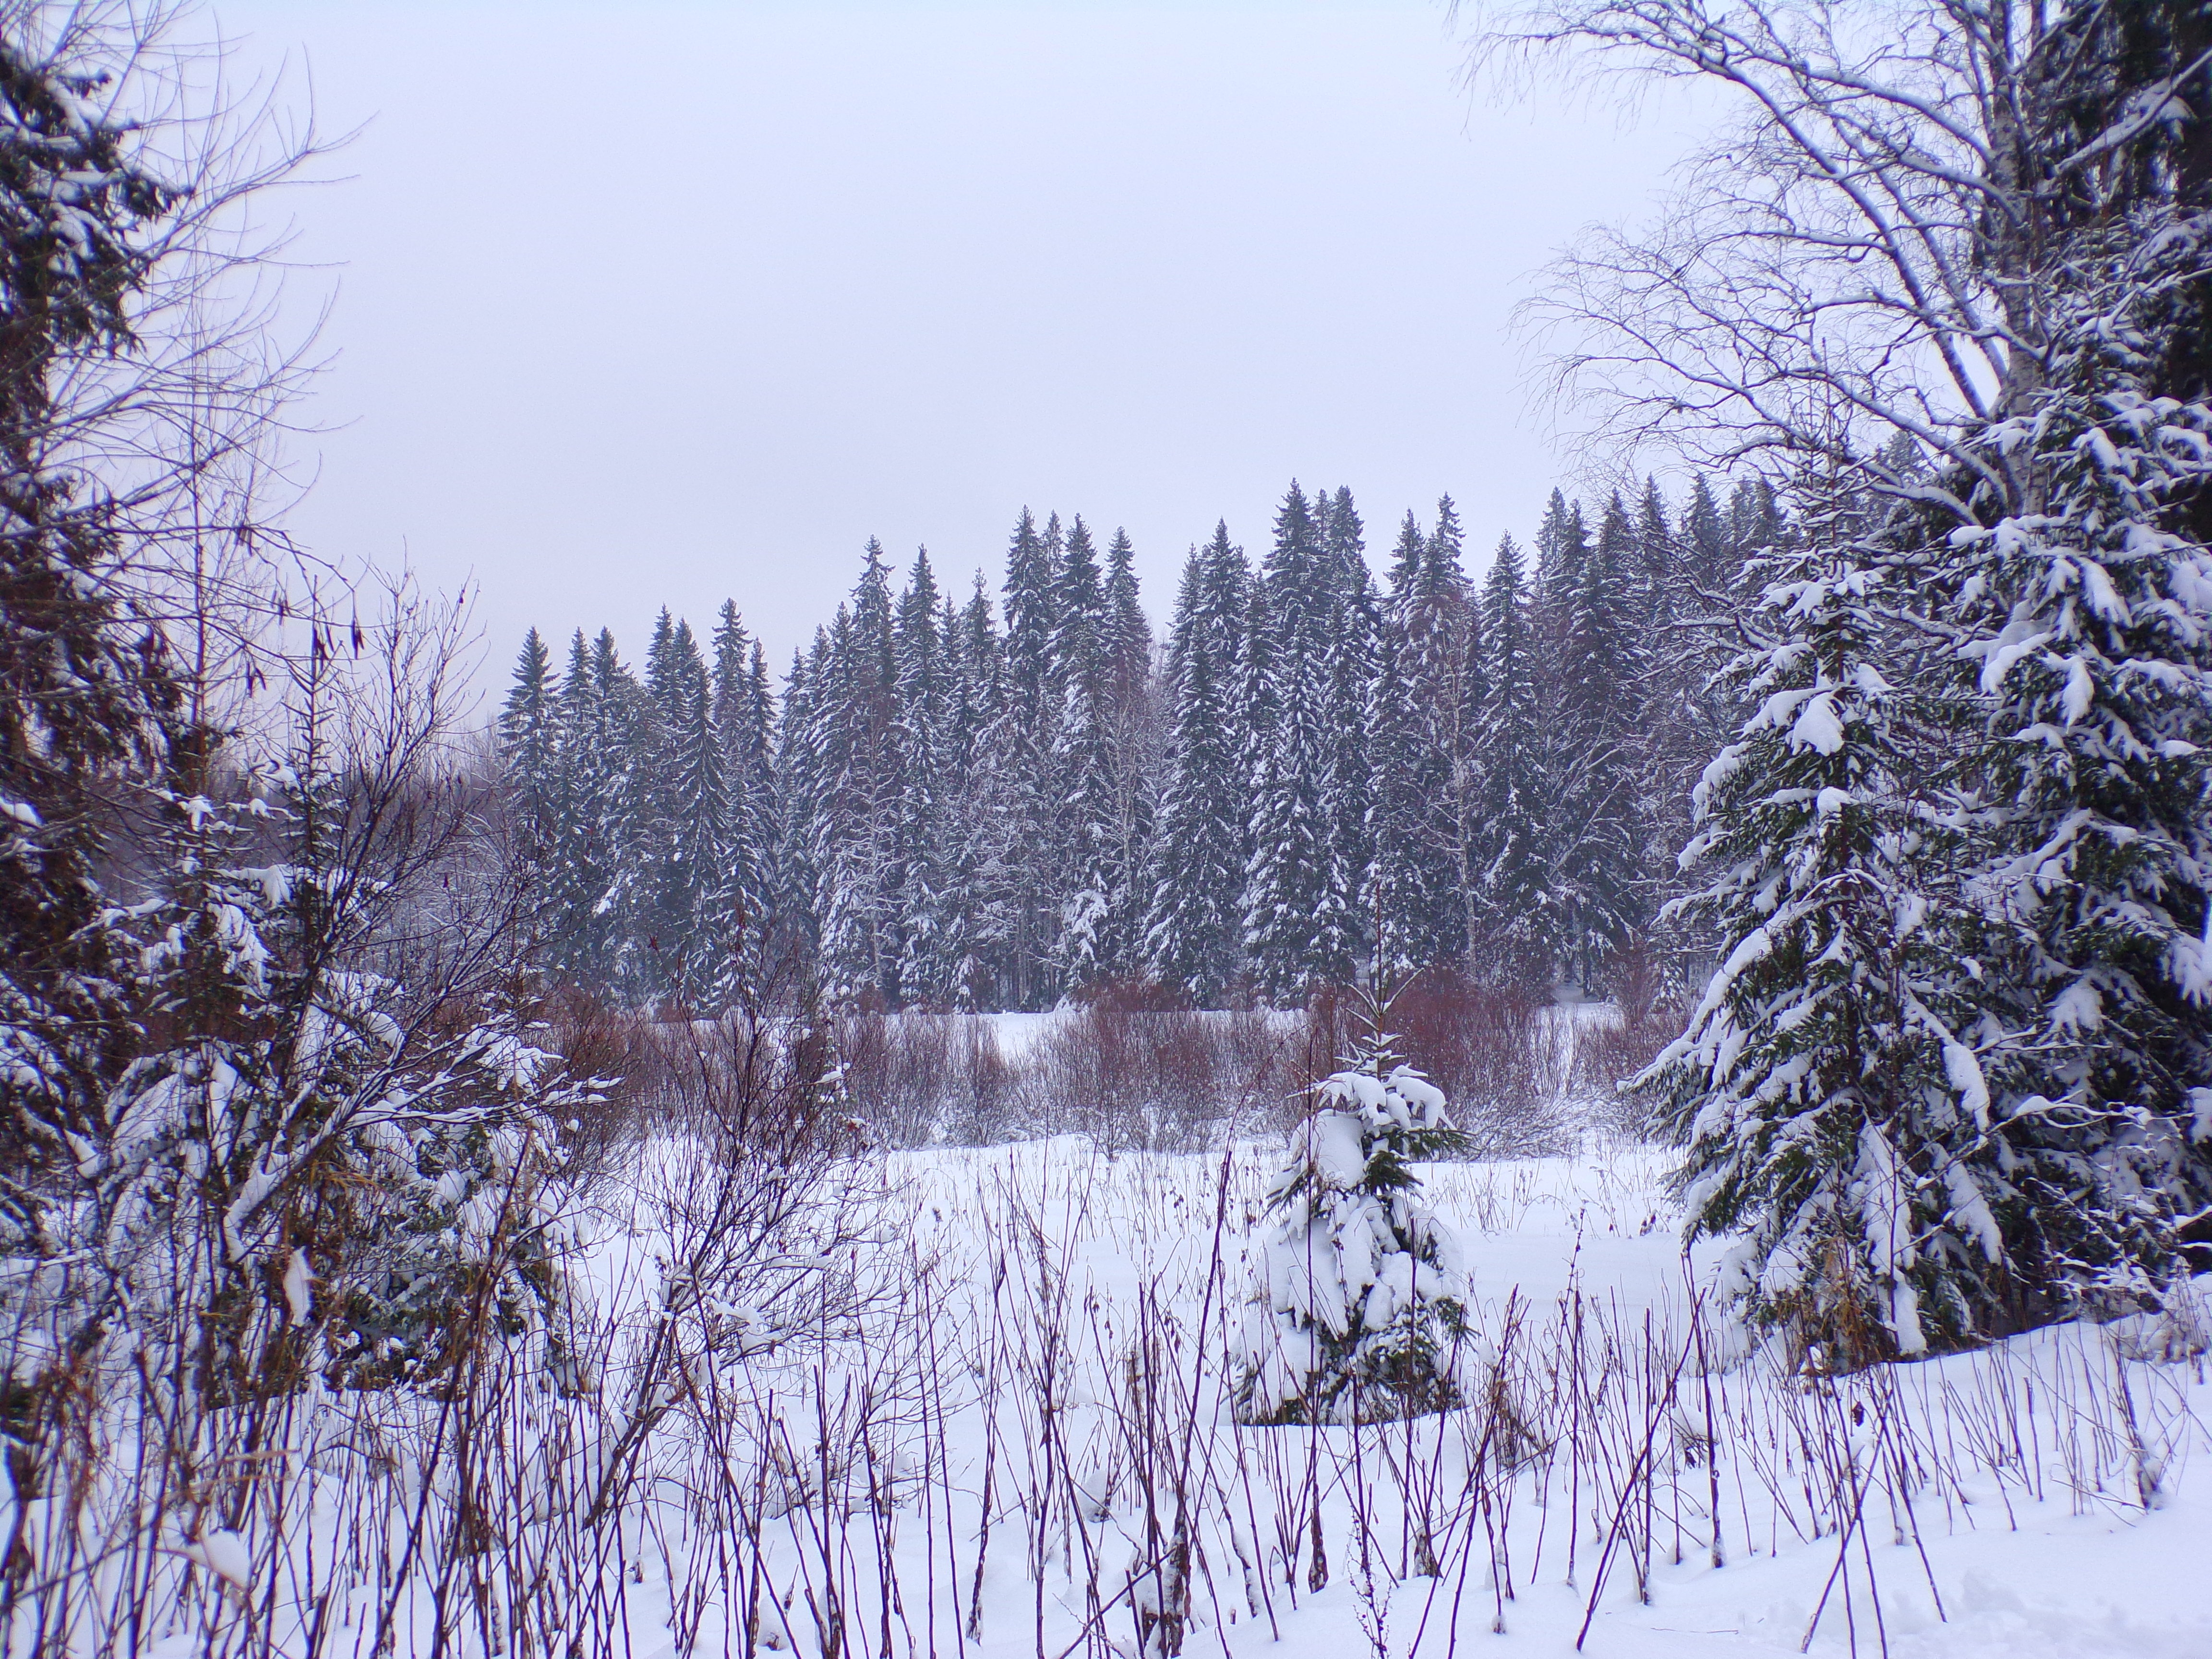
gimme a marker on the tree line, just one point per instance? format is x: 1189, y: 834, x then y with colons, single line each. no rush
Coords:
x: 999, y: 800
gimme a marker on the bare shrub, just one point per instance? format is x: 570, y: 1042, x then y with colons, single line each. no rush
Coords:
x: 1498, y: 1053
x: 615, y: 1047
x: 1609, y: 1051
x: 1157, y: 1080
x: 1120, y: 1070
x: 1495, y: 1052
x: 899, y: 1071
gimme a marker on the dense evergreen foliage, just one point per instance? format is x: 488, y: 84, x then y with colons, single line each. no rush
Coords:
x: 944, y: 810
x: 1954, y: 1076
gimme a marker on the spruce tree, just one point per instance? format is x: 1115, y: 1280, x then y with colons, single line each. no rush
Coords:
x: 1297, y: 928
x: 1704, y: 550
x: 799, y: 786
x: 1594, y: 863
x: 1032, y: 890
x: 1411, y: 878
x: 1833, y: 1113
x: 1449, y: 683
x: 1194, y: 924
x: 744, y: 717
x: 983, y: 753
x: 1356, y: 646
x: 1084, y: 879
x: 1359, y: 1307
x: 1133, y: 741
x: 529, y: 743
x: 923, y: 711
x: 626, y: 772
x: 87, y: 690
x: 702, y: 908
x: 1514, y: 918
x: 855, y: 854
x: 2082, y: 676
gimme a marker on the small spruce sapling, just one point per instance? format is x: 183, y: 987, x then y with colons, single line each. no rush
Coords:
x: 1359, y: 1305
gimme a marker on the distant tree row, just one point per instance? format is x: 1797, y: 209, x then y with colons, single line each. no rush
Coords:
x: 971, y: 805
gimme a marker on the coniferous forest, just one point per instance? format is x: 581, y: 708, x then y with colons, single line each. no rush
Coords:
x: 1413, y: 1086
x: 980, y: 799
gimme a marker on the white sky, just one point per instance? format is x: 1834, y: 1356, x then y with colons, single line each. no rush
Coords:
x: 662, y: 303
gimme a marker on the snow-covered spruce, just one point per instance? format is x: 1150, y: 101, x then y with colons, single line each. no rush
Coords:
x: 2082, y: 623
x: 1831, y: 1116
x: 1359, y: 1305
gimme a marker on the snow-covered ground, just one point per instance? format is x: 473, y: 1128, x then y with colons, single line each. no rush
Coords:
x: 974, y: 1405
x: 1051, y: 1338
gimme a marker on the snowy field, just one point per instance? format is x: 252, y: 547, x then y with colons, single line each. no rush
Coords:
x: 1988, y: 1504
x: 974, y: 1403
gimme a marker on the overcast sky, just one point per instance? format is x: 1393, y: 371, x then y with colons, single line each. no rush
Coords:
x: 663, y: 303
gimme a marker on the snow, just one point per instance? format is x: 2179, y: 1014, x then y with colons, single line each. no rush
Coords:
x: 227, y: 1554
x: 2028, y: 1525
x: 298, y: 1287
